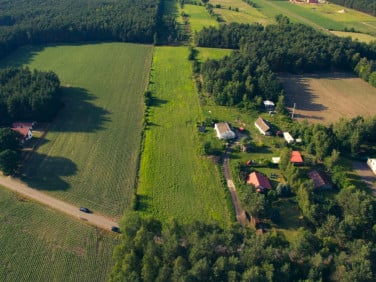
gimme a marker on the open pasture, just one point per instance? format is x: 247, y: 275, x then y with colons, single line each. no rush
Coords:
x: 36, y: 244
x: 361, y: 37
x: 89, y: 156
x: 244, y: 14
x: 324, y: 98
x: 176, y: 181
x: 199, y: 17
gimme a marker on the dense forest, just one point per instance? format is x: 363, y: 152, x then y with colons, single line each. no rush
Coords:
x: 39, y: 22
x: 366, y: 6
x: 10, y: 157
x: 263, y: 51
x: 334, y: 250
x: 28, y: 95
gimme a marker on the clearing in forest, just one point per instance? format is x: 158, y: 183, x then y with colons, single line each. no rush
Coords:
x: 326, y: 97
x: 36, y: 244
x: 199, y: 17
x: 176, y: 181
x: 89, y: 156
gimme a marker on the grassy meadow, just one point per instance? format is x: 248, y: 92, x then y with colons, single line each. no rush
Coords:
x: 361, y: 37
x: 199, y: 17
x: 89, y: 156
x: 175, y: 180
x: 244, y: 14
x: 36, y: 244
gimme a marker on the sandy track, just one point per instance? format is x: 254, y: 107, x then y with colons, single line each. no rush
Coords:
x: 92, y: 219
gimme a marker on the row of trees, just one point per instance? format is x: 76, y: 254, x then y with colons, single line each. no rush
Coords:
x: 28, y: 95
x: 10, y: 157
x: 40, y: 22
x: 207, y: 252
x: 366, y: 6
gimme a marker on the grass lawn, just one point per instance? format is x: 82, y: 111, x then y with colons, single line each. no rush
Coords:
x: 212, y: 53
x: 90, y: 154
x: 36, y: 244
x: 175, y: 180
x: 199, y: 17
x: 245, y: 13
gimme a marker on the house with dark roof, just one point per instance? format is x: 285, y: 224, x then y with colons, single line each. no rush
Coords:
x: 320, y: 180
x: 262, y: 126
x: 224, y: 131
x: 296, y: 158
x: 260, y: 181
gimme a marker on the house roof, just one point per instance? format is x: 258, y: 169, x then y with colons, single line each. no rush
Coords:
x: 268, y: 103
x: 223, y: 127
x: 318, y: 178
x: 296, y: 157
x: 288, y: 137
x: 22, y: 130
x: 224, y: 131
x: 261, y: 123
x: 22, y: 124
x: 276, y: 160
x: 258, y: 180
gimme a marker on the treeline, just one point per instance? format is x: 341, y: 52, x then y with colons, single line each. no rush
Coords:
x: 366, y: 6
x: 40, y: 22
x: 250, y: 72
x: 207, y: 252
x: 28, y: 95
x: 10, y: 157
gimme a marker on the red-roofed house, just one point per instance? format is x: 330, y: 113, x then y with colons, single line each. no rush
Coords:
x: 258, y: 180
x: 24, y: 132
x: 23, y: 125
x: 296, y: 157
x: 319, y: 180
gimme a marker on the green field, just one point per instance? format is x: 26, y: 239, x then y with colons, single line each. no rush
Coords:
x: 91, y: 152
x: 175, y: 180
x: 355, y: 36
x: 199, y: 17
x: 212, y: 53
x: 245, y: 13
x: 36, y: 244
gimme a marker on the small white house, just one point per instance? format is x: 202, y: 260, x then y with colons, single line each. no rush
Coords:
x: 269, y: 105
x: 262, y: 126
x: 288, y: 137
x: 372, y: 164
x: 224, y: 131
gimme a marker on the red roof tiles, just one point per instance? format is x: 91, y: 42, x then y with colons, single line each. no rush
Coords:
x: 259, y: 181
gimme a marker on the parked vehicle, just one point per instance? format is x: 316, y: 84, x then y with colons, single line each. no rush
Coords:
x: 85, y: 210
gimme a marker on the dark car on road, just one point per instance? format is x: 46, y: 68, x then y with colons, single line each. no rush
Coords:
x: 86, y: 210
x: 115, y: 229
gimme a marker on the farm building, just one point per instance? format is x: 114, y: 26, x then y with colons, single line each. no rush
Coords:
x: 260, y: 181
x: 320, y: 180
x: 288, y: 137
x: 262, y: 126
x: 296, y: 157
x: 372, y: 164
x: 269, y: 105
x: 224, y: 131
x: 276, y: 160
x: 25, y: 133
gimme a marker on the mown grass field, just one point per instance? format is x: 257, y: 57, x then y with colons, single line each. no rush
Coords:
x: 361, y: 37
x: 199, y: 17
x: 36, y: 244
x: 212, y: 53
x: 245, y: 13
x: 90, y: 153
x: 175, y: 180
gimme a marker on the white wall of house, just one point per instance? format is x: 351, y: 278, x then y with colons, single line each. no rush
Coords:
x: 372, y: 164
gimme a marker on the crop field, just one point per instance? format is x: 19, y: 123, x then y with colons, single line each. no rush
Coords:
x: 37, y: 246
x: 199, y: 17
x: 245, y: 13
x: 324, y: 98
x: 175, y: 180
x: 89, y: 156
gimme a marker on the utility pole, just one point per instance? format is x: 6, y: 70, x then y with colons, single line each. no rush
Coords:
x: 293, y: 111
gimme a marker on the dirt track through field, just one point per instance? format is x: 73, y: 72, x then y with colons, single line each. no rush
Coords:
x: 326, y: 97
x: 90, y: 218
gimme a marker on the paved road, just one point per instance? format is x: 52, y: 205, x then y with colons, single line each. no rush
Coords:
x: 240, y: 214
x: 368, y: 177
x: 93, y: 219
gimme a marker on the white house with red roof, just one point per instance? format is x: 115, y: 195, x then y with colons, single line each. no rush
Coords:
x: 25, y: 133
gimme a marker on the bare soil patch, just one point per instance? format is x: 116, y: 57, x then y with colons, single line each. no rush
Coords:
x: 326, y: 97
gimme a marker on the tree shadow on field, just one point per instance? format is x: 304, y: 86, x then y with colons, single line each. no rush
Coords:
x: 299, y: 91
x: 44, y: 172
x: 142, y: 202
x: 79, y: 112
x: 22, y: 56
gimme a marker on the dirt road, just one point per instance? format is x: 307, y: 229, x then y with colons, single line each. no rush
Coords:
x: 240, y: 214
x: 90, y: 218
